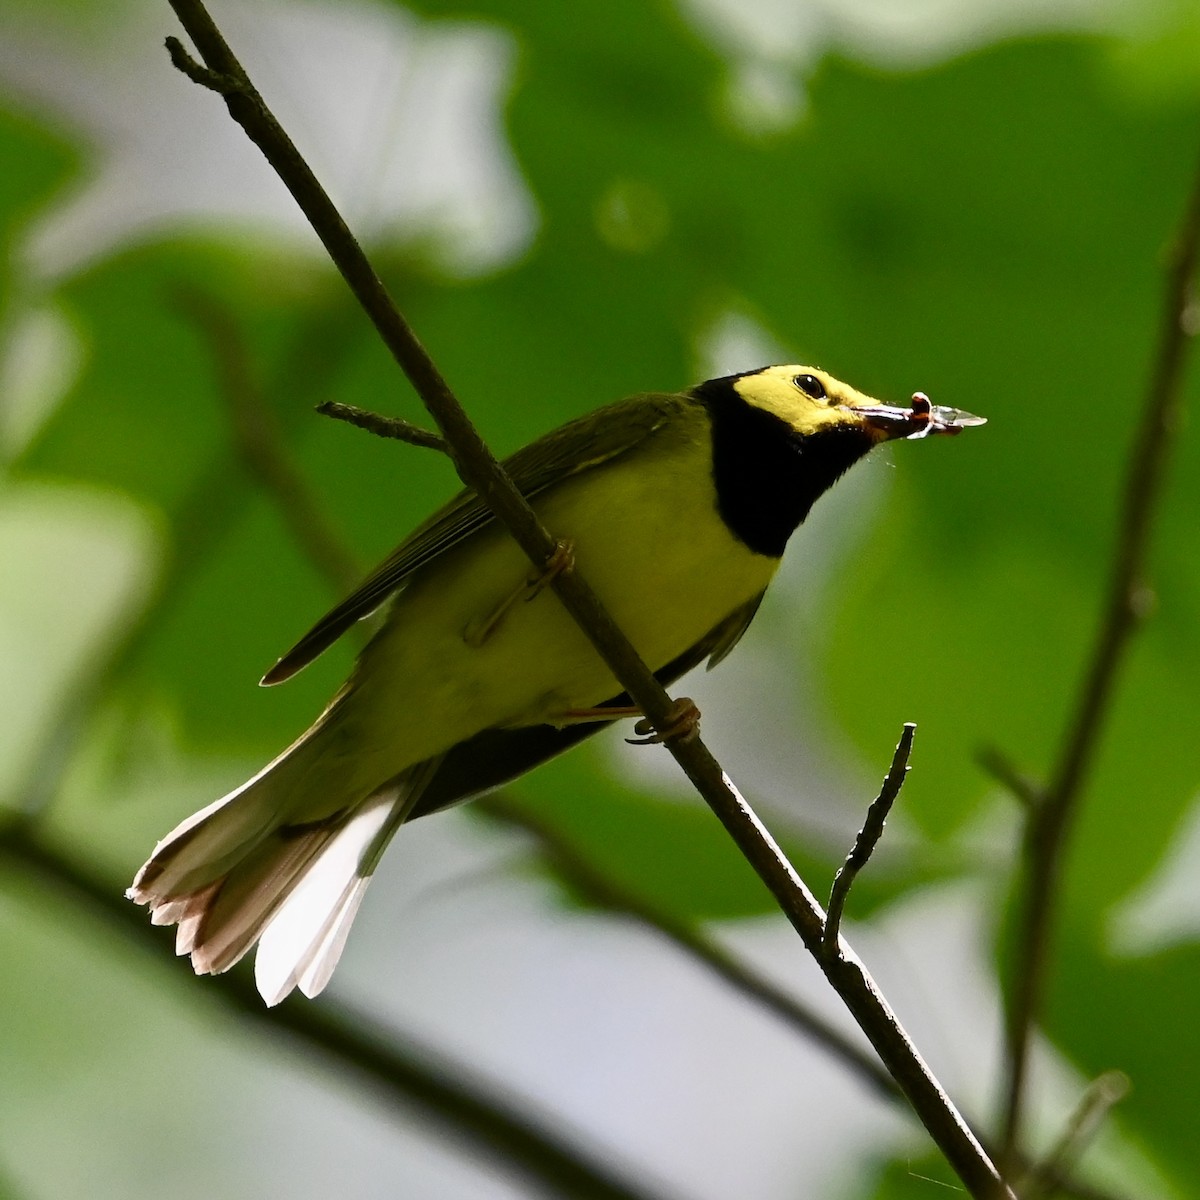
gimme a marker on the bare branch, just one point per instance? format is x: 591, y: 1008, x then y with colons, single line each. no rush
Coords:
x: 479, y: 470
x: 867, y: 840
x: 384, y: 427
x: 1050, y: 822
x: 215, y: 81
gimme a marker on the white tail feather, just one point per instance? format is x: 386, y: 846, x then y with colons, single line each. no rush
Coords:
x: 322, y: 904
x: 325, y: 956
x: 303, y: 941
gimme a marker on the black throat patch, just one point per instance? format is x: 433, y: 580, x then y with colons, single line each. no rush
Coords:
x: 767, y: 476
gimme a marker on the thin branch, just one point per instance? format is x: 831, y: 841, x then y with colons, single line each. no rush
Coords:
x: 868, y: 838
x: 599, y: 890
x: 1050, y: 822
x: 394, y: 1067
x: 255, y: 434
x: 384, y: 427
x: 1046, y: 1178
x: 478, y: 469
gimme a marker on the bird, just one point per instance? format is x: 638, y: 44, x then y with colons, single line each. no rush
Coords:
x: 675, y: 507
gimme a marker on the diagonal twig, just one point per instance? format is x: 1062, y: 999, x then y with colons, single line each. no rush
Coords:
x: 479, y: 470
x: 868, y: 838
x: 1050, y: 821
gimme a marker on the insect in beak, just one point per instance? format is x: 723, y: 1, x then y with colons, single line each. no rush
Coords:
x: 918, y: 421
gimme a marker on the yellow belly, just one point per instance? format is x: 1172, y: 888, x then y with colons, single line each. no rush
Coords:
x: 646, y: 536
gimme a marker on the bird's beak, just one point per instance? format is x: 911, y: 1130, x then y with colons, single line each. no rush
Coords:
x: 887, y: 421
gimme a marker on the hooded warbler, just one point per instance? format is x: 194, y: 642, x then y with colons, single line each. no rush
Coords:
x: 677, y: 507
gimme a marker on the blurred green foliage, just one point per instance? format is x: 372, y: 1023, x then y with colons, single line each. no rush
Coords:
x: 989, y: 230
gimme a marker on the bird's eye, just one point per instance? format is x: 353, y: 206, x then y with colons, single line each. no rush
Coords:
x: 810, y: 385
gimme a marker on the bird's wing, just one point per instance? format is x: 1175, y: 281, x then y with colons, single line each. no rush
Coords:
x: 577, y: 446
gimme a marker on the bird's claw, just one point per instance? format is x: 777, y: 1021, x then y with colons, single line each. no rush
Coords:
x: 683, y: 724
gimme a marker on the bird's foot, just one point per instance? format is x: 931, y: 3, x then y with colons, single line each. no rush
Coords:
x: 682, y: 725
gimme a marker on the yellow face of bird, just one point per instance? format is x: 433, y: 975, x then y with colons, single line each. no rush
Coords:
x: 811, y: 400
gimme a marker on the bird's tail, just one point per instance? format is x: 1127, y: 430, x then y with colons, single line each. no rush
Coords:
x: 237, y: 873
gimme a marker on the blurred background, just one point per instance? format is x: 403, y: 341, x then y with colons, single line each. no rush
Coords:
x: 968, y: 197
